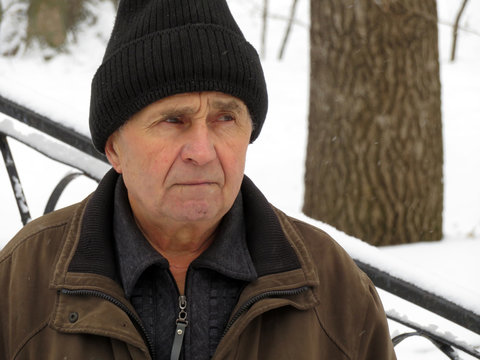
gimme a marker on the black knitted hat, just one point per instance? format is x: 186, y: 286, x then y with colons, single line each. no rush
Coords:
x: 160, y: 48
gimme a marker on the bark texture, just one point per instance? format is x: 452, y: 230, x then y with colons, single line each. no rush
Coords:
x: 374, y: 165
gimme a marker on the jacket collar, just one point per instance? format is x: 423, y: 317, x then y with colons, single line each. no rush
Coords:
x: 270, y: 250
x: 95, y: 252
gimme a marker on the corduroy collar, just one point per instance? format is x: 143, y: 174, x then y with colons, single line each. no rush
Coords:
x: 269, y: 248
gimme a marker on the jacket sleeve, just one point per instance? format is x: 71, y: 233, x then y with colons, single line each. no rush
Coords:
x: 374, y: 340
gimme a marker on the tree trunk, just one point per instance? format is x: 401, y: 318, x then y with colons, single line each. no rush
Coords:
x: 374, y: 165
x: 46, y: 22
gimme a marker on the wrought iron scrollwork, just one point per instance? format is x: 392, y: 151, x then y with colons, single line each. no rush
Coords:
x: 57, y: 192
x: 445, y: 348
x: 14, y: 180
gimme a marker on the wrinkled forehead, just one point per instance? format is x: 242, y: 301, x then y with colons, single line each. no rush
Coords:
x: 217, y: 100
x: 191, y: 103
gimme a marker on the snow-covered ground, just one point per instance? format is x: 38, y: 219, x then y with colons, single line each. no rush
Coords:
x: 60, y: 89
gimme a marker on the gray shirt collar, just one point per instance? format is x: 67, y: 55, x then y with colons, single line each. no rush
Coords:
x: 227, y: 255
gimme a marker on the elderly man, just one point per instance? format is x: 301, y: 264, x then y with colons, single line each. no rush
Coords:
x: 177, y: 255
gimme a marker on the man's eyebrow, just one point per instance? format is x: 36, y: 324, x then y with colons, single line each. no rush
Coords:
x: 230, y: 105
x: 173, y: 111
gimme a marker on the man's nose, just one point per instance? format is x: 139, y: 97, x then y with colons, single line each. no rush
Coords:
x: 198, y: 147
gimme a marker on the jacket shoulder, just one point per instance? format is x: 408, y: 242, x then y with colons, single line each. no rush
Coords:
x: 46, y: 223
x: 349, y: 309
x: 334, y: 266
x: 27, y: 264
x: 323, y: 250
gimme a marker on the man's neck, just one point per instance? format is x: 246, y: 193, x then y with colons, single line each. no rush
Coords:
x: 180, y: 245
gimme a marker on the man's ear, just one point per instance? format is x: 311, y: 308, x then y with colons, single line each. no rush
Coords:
x: 112, y: 153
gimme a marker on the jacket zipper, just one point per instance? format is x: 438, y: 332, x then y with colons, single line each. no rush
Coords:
x: 253, y: 300
x: 182, y: 324
x: 138, y: 324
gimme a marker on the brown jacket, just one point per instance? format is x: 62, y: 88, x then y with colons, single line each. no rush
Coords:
x: 60, y: 296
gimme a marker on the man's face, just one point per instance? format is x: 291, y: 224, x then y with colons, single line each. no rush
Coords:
x: 182, y: 158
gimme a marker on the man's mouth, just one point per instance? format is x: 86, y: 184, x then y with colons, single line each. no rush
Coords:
x: 197, y: 183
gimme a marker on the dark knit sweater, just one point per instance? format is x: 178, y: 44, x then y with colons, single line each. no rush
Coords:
x: 214, y: 281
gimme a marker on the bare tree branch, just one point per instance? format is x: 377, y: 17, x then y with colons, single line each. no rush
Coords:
x: 463, y: 28
x: 263, y: 49
x: 455, y: 30
x: 295, y: 22
x: 289, y: 27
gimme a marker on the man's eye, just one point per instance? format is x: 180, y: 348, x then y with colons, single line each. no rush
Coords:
x: 173, y: 120
x: 226, y: 118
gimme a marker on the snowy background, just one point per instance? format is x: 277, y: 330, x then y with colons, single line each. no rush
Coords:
x: 60, y: 89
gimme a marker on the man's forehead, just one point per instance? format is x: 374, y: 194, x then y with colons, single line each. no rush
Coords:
x: 191, y: 101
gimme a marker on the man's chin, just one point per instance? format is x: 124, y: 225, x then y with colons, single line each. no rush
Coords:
x: 197, y: 211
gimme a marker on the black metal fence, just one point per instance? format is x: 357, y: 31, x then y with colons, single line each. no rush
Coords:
x: 394, y: 285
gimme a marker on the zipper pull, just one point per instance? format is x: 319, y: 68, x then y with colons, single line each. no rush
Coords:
x: 180, y: 330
